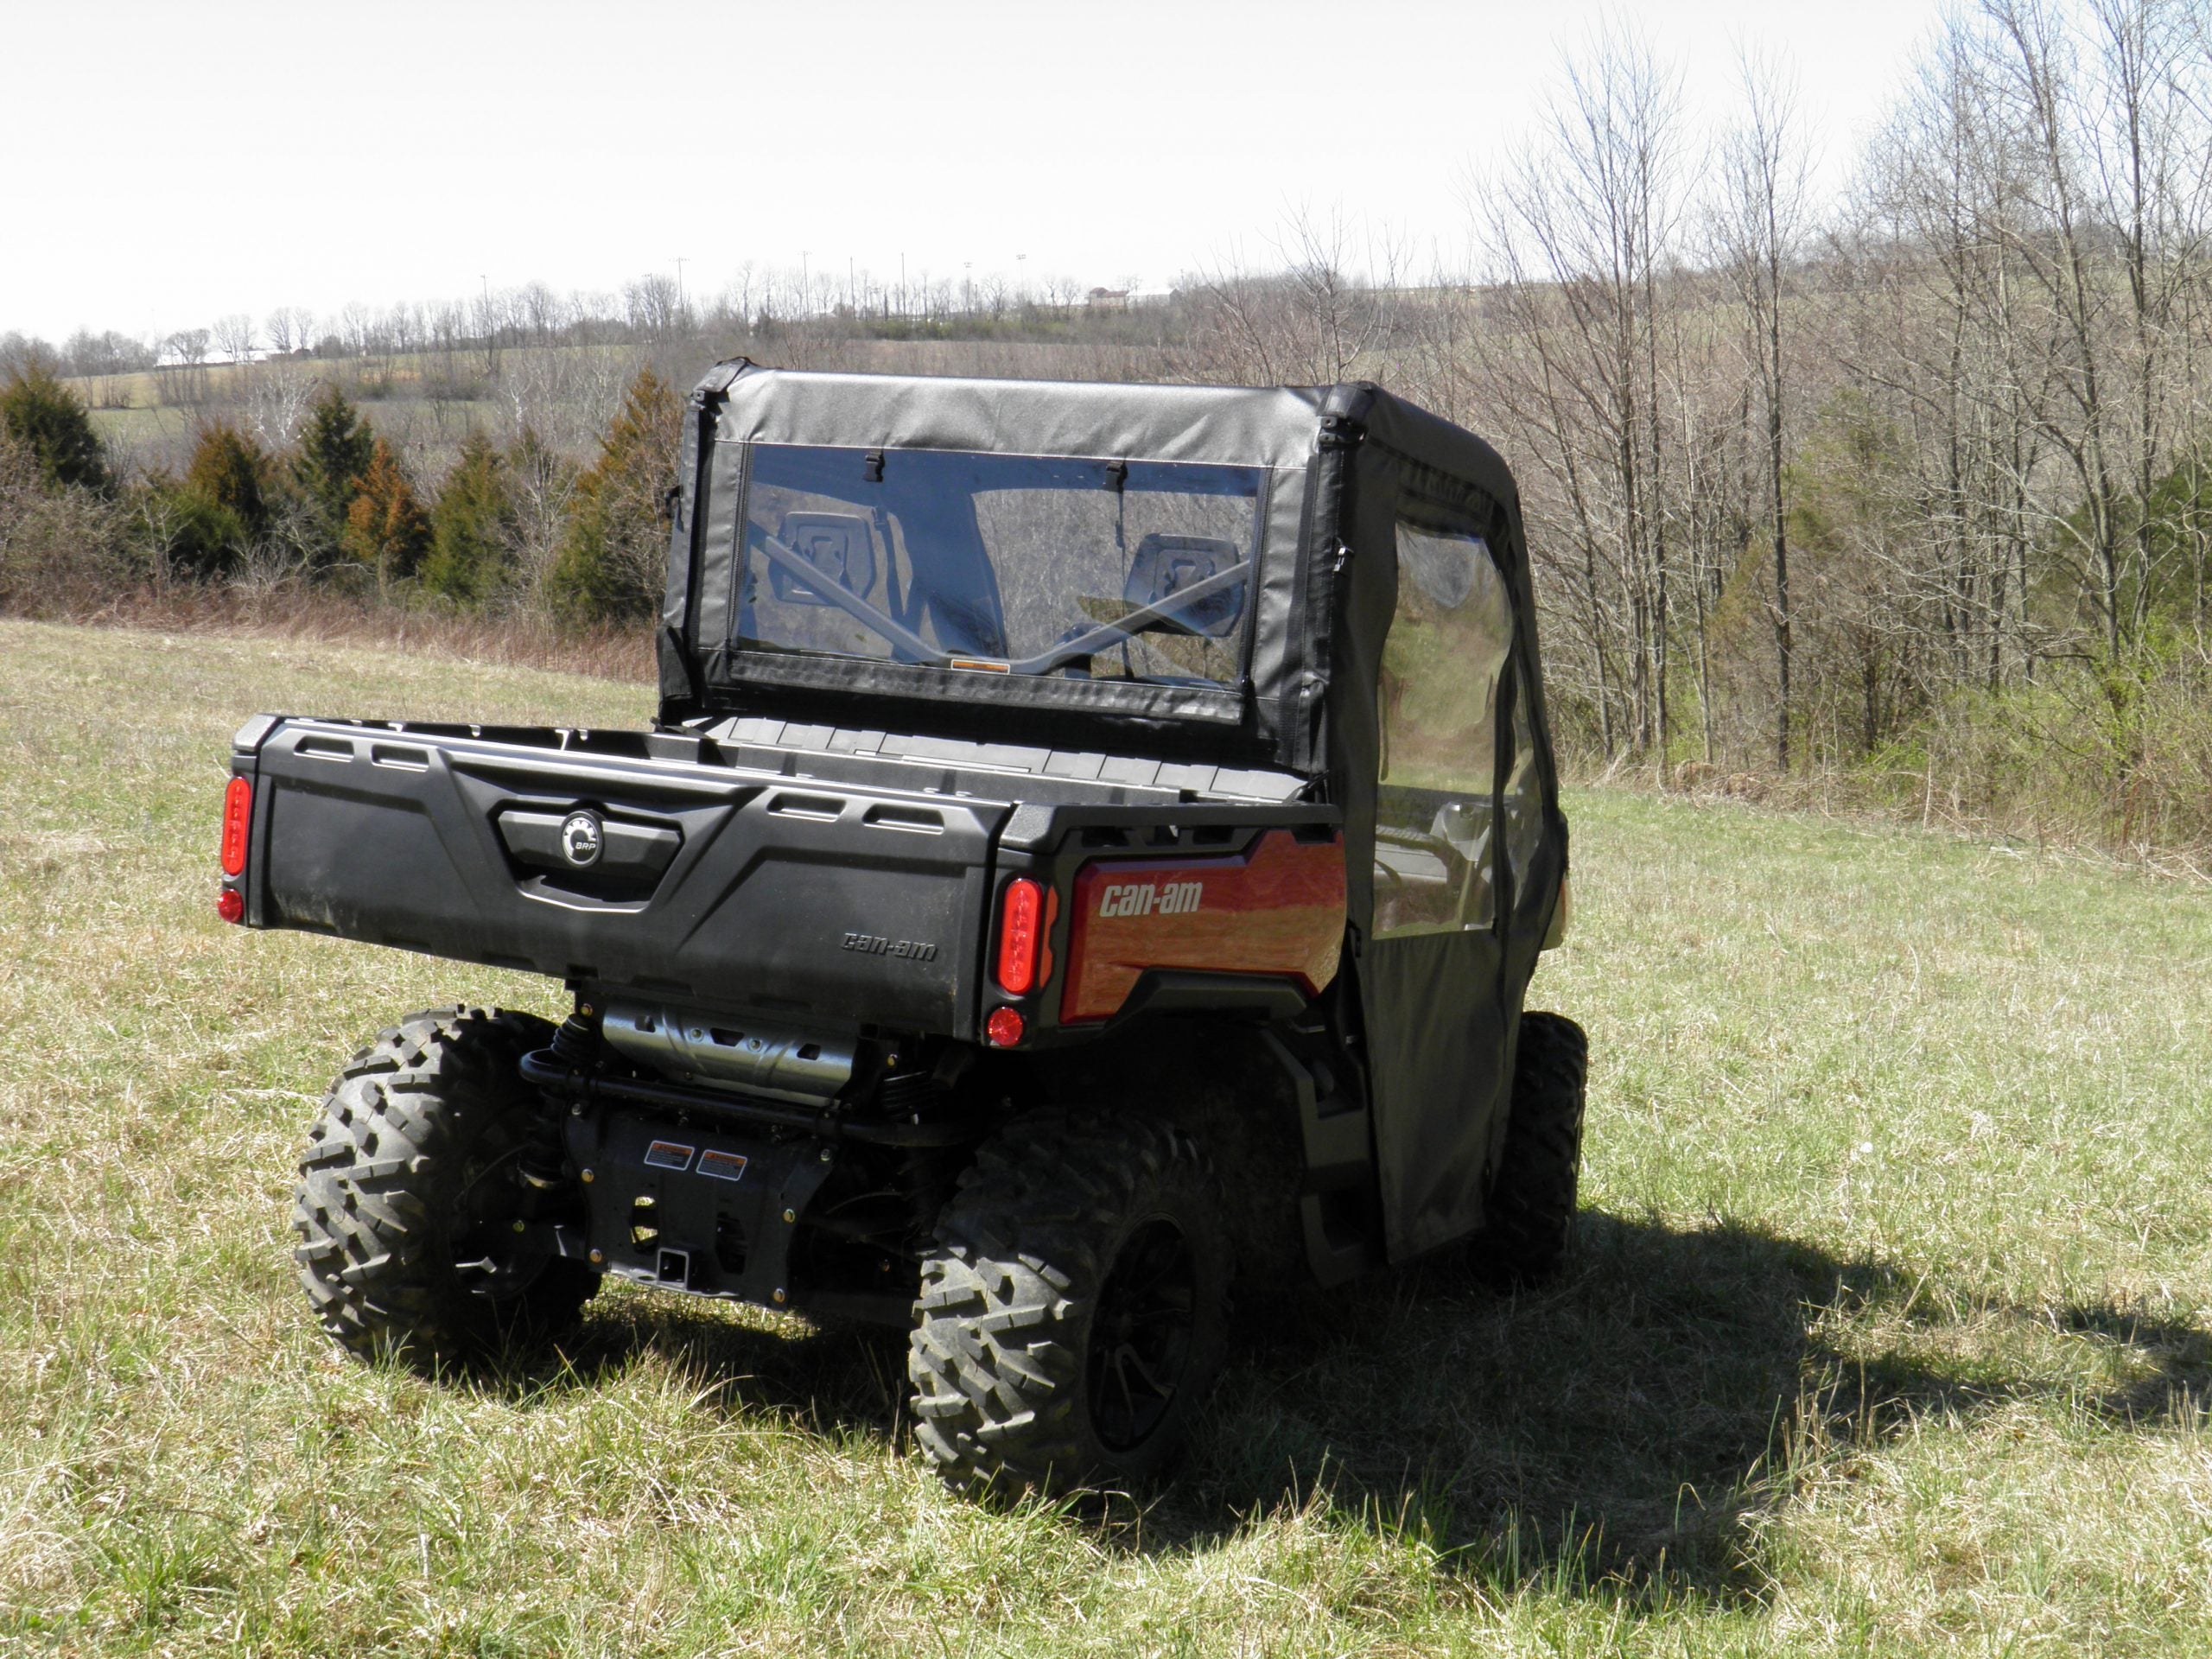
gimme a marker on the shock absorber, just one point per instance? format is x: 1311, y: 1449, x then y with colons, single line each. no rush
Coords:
x: 575, y: 1045
x: 926, y: 1174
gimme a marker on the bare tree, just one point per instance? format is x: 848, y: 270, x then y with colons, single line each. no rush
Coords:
x: 290, y: 329
x: 404, y: 327
x: 278, y: 393
x: 654, y: 306
x: 490, y: 320
x: 2148, y: 146
x: 540, y: 309
x: 236, y: 336
x: 357, y: 327
x: 1760, y: 222
x: 1585, y: 228
x: 1330, y: 303
x: 182, y: 369
x: 448, y: 326
x: 738, y: 294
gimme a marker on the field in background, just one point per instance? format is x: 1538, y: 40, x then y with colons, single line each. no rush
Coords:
x: 161, y: 436
x: 1890, y: 1332
x: 427, y: 403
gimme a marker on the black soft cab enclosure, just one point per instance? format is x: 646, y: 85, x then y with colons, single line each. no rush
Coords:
x: 1141, y: 789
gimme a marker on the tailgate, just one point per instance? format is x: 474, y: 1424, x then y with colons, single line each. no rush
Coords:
x: 714, y: 886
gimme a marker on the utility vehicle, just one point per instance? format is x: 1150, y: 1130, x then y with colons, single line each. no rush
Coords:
x: 1093, y: 836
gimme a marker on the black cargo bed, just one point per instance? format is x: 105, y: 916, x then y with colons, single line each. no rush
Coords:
x: 717, y: 885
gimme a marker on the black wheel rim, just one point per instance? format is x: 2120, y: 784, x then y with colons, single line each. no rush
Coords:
x: 490, y: 1258
x: 1141, y: 1337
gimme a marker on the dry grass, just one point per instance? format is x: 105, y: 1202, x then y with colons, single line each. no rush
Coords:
x: 298, y: 613
x: 1887, y: 1337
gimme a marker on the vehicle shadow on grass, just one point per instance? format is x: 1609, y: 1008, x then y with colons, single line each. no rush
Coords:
x: 1630, y: 1424
x: 844, y: 1379
x: 1625, y: 1429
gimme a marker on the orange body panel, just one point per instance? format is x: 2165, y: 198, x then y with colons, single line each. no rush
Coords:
x: 1277, y: 909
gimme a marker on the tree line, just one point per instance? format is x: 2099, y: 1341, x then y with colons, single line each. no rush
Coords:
x: 518, y: 526
x: 1907, y: 488
x: 1913, y: 486
x: 463, y: 341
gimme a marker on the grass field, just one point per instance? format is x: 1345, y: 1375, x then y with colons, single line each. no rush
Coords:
x: 1891, y: 1332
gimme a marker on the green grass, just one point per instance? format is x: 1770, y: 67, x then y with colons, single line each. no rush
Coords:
x: 1888, y: 1334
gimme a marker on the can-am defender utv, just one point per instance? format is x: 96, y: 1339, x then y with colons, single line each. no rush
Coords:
x: 1093, y: 836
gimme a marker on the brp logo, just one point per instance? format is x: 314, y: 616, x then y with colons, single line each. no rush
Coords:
x: 583, y: 838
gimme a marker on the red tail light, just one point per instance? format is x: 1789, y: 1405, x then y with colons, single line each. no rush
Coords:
x: 230, y: 904
x: 238, y: 817
x: 1021, y: 934
x: 1005, y: 1028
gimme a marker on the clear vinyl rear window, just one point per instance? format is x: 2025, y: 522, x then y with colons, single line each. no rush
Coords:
x: 1131, y: 570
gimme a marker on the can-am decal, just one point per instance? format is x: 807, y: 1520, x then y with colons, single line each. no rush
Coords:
x: 876, y: 944
x: 1275, y: 909
x: 1151, y: 898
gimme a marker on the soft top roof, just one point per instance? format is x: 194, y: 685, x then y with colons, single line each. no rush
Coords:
x: 1252, y: 426
x: 1350, y: 461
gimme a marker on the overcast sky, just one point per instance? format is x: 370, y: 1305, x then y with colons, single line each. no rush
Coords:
x: 163, y: 164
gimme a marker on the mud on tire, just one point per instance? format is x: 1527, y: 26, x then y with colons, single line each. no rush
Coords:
x: 407, y: 1197
x: 1530, y: 1216
x: 1074, y: 1312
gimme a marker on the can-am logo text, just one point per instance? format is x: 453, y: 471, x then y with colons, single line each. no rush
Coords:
x: 874, y: 945
x: 1151, y: 898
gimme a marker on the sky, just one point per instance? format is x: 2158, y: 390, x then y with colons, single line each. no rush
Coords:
x: 163, y: 164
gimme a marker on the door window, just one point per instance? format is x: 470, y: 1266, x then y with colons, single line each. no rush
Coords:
x: 1438, y: 711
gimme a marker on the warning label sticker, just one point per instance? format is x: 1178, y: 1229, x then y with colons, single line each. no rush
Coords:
x: 722, y: 1165
x: 669, y: 1154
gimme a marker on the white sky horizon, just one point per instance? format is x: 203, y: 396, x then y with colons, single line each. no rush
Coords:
x: 169, y: 164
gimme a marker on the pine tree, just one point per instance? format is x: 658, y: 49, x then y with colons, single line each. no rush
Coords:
x: 472, y: 527
x: 229, y: 471
x: 42, y: 415
x: 332, y: 458
x: 611, y: 561
x: 386, y: 529
x: 179, y: 526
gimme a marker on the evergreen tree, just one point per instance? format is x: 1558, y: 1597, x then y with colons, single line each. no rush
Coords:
x: 42, y: 415
x: 179, y: 526
x: 229, y: 470
x: 385, y: 528
x: 611, y: 562
x: 472, y: 527
x: 332, y: 458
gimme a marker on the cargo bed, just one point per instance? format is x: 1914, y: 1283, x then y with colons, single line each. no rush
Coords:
x: 808, y: 872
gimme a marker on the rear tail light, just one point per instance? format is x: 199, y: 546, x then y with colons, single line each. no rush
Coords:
x: 238, y: 817
x: 230, y: 904
x: 1005, y: 1028
x: 1021, y: 935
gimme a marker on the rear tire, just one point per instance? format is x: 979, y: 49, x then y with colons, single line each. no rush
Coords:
x: 408, y: 1196
x: 1529, y: 1220
x: 1075, y: 1311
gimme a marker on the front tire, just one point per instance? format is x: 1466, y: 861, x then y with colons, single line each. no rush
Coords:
x: 1075, y: 1311
x: 413, y: 1239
